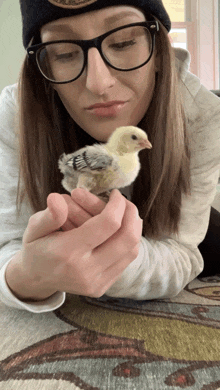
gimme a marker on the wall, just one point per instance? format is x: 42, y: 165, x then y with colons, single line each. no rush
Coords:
x: 12, y: 52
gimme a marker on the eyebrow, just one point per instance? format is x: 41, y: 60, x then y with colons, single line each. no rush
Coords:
x: 108, y: 21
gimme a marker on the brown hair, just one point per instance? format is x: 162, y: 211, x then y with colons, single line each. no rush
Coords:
x: 46, y: 130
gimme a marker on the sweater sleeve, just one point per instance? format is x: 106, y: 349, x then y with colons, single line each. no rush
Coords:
x: 11, y: 227
x: 164, y: 267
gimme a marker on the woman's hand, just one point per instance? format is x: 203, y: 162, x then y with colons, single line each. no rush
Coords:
x: 86, y: 260
x: 82, y: 205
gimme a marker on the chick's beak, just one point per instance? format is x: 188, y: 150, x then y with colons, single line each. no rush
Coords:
x: 145, y: 144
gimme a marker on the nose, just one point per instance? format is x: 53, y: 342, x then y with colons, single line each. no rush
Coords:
x: 98, y: 77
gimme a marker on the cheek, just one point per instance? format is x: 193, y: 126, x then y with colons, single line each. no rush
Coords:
x: 145, y: 80
x: 143, y: 85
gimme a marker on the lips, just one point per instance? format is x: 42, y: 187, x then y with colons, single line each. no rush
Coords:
x: 107, y: 110
x: 103, y: 105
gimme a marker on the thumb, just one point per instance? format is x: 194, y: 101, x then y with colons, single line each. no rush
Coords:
x: 47, y: 221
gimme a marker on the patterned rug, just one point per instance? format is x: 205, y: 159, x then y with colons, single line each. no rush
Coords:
x: 108, y: 344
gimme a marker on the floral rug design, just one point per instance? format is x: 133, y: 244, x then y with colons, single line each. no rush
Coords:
x: 108, y: 344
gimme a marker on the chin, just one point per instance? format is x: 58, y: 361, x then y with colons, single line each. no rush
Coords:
x: 102, y: 138
x: 103, y: 134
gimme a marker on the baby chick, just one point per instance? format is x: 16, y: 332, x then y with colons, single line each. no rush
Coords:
x: 101, y: 168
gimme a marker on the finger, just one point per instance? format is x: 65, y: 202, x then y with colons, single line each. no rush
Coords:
x: 76, y: 214
x: 68, y: 225
x: 99, y: 228
x: 126, y: 238
x: 88, y: 201
x: 47, y: 221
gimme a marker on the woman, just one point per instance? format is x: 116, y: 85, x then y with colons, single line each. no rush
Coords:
x: 77, y: 243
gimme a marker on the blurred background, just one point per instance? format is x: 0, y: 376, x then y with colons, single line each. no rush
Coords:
x: 195, y: 27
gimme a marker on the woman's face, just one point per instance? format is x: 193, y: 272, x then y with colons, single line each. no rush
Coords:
x: 100, y: 83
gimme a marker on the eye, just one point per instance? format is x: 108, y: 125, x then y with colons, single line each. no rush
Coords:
x: 133, y: 137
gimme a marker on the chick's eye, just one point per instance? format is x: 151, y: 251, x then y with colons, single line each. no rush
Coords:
x: 134, y: 136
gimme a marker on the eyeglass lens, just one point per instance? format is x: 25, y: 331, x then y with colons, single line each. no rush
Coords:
x: 124, y: 49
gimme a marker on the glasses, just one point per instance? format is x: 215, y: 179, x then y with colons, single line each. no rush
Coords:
x: 125, y: 48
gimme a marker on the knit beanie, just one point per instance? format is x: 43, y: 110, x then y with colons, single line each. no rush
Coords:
x: 36, y: 13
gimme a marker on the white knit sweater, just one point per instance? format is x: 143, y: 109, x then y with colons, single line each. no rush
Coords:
x: 162, y: 268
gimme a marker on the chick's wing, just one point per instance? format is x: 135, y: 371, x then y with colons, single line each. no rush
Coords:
x: 90, y: 158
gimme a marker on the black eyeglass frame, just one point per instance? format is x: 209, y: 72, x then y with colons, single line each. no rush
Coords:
x: 152, y: 26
